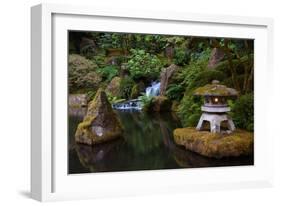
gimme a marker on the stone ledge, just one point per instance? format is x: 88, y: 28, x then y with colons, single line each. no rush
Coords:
x: 215, y: 145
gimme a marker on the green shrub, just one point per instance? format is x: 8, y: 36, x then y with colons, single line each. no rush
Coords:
x: 126, y: 86
x: 175, y: 91
x: 188, y: 74
x: 206, y: 77
x: 146, y: 101
x: 108, y: 72
x: 137, y: 89
x: 142, y: 64
x: 193, y: 119
x: 180, y: 56
x: 99, y: 59
x: 243, y: 112
x: 113, y: 99
x: 189, y: 110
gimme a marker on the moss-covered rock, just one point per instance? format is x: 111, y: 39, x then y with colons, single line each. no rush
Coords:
x: 215, y: 145
x: 160, y: 104
x: 215, y: 89
x: 82, y: 73
x: 114, y: 87
x: 77, y: 100
x: 100, y: 123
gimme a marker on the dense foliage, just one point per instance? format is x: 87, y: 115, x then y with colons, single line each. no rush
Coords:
x: 108, y: 72
x: 143, y: 65
x: 126, y: 86
x: 243, y: 112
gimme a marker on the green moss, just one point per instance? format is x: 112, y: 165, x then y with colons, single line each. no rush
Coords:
x: 216, y: 145
x: 100, y: 124
x: 216, y: 90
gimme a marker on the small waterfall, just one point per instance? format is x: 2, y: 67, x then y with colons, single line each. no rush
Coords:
x: 153, y: 90
x: 135, y: 104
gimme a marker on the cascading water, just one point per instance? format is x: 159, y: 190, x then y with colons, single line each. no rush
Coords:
x: 135, y: 104
x: 153, y: 90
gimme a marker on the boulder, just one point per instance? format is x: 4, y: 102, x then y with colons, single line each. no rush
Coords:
x: 114, y: 86
x: 216, y: 56
x: 161, y: 104
x: 100, y: 123
x: 77, y: 100
x: 82, y: 73
x: 217, y: 145
x: 166, y: 77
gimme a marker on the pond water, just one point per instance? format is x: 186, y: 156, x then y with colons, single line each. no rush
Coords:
x: 147, y: 144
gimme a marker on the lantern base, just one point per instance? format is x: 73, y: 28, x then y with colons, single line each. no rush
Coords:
x: 215, y: 121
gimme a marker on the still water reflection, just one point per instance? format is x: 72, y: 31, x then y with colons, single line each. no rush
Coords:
x: 147, y: 144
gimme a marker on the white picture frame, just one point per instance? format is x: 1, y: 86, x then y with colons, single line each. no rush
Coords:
x: 49, y: 179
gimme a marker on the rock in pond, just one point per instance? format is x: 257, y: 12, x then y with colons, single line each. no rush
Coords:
x: 100, y: 123
x: 161, y: 104
x: 215, y: 145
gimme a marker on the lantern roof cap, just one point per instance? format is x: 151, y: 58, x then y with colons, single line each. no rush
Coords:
x: 215, y: 89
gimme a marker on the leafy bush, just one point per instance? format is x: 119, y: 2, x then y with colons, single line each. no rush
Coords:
x: 189, y: 110
x: 142, y: 64
x: 193, y: 119
x: 126, y: 86
x: 206, y: 77
x: 99, y: 59
x: 243, y: 112
x: 193, y: 75
x: 188, y: 75
x: 180, y: 57
x: 146, y: 101
x: 137, y: 90
x: 175, y: 91
x: 108, y: 72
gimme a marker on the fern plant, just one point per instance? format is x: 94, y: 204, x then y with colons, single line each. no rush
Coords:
x: 175, y: 91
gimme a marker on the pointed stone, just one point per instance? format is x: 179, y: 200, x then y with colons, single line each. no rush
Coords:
x: 166, y: 77
x: 100, y: 123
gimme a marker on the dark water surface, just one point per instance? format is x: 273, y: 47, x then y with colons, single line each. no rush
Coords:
x: 147, y: 144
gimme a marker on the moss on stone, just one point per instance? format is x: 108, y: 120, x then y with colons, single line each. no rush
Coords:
x: 215, y: 90
x: 160, y: 104
x: 100, y: 123
x: 114, y: 87
x: 216, y: 145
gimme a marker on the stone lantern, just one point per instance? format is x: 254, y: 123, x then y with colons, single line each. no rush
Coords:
x: 215, y: 106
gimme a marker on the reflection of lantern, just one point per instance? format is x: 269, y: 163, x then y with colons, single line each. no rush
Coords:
x: 215, y: 107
